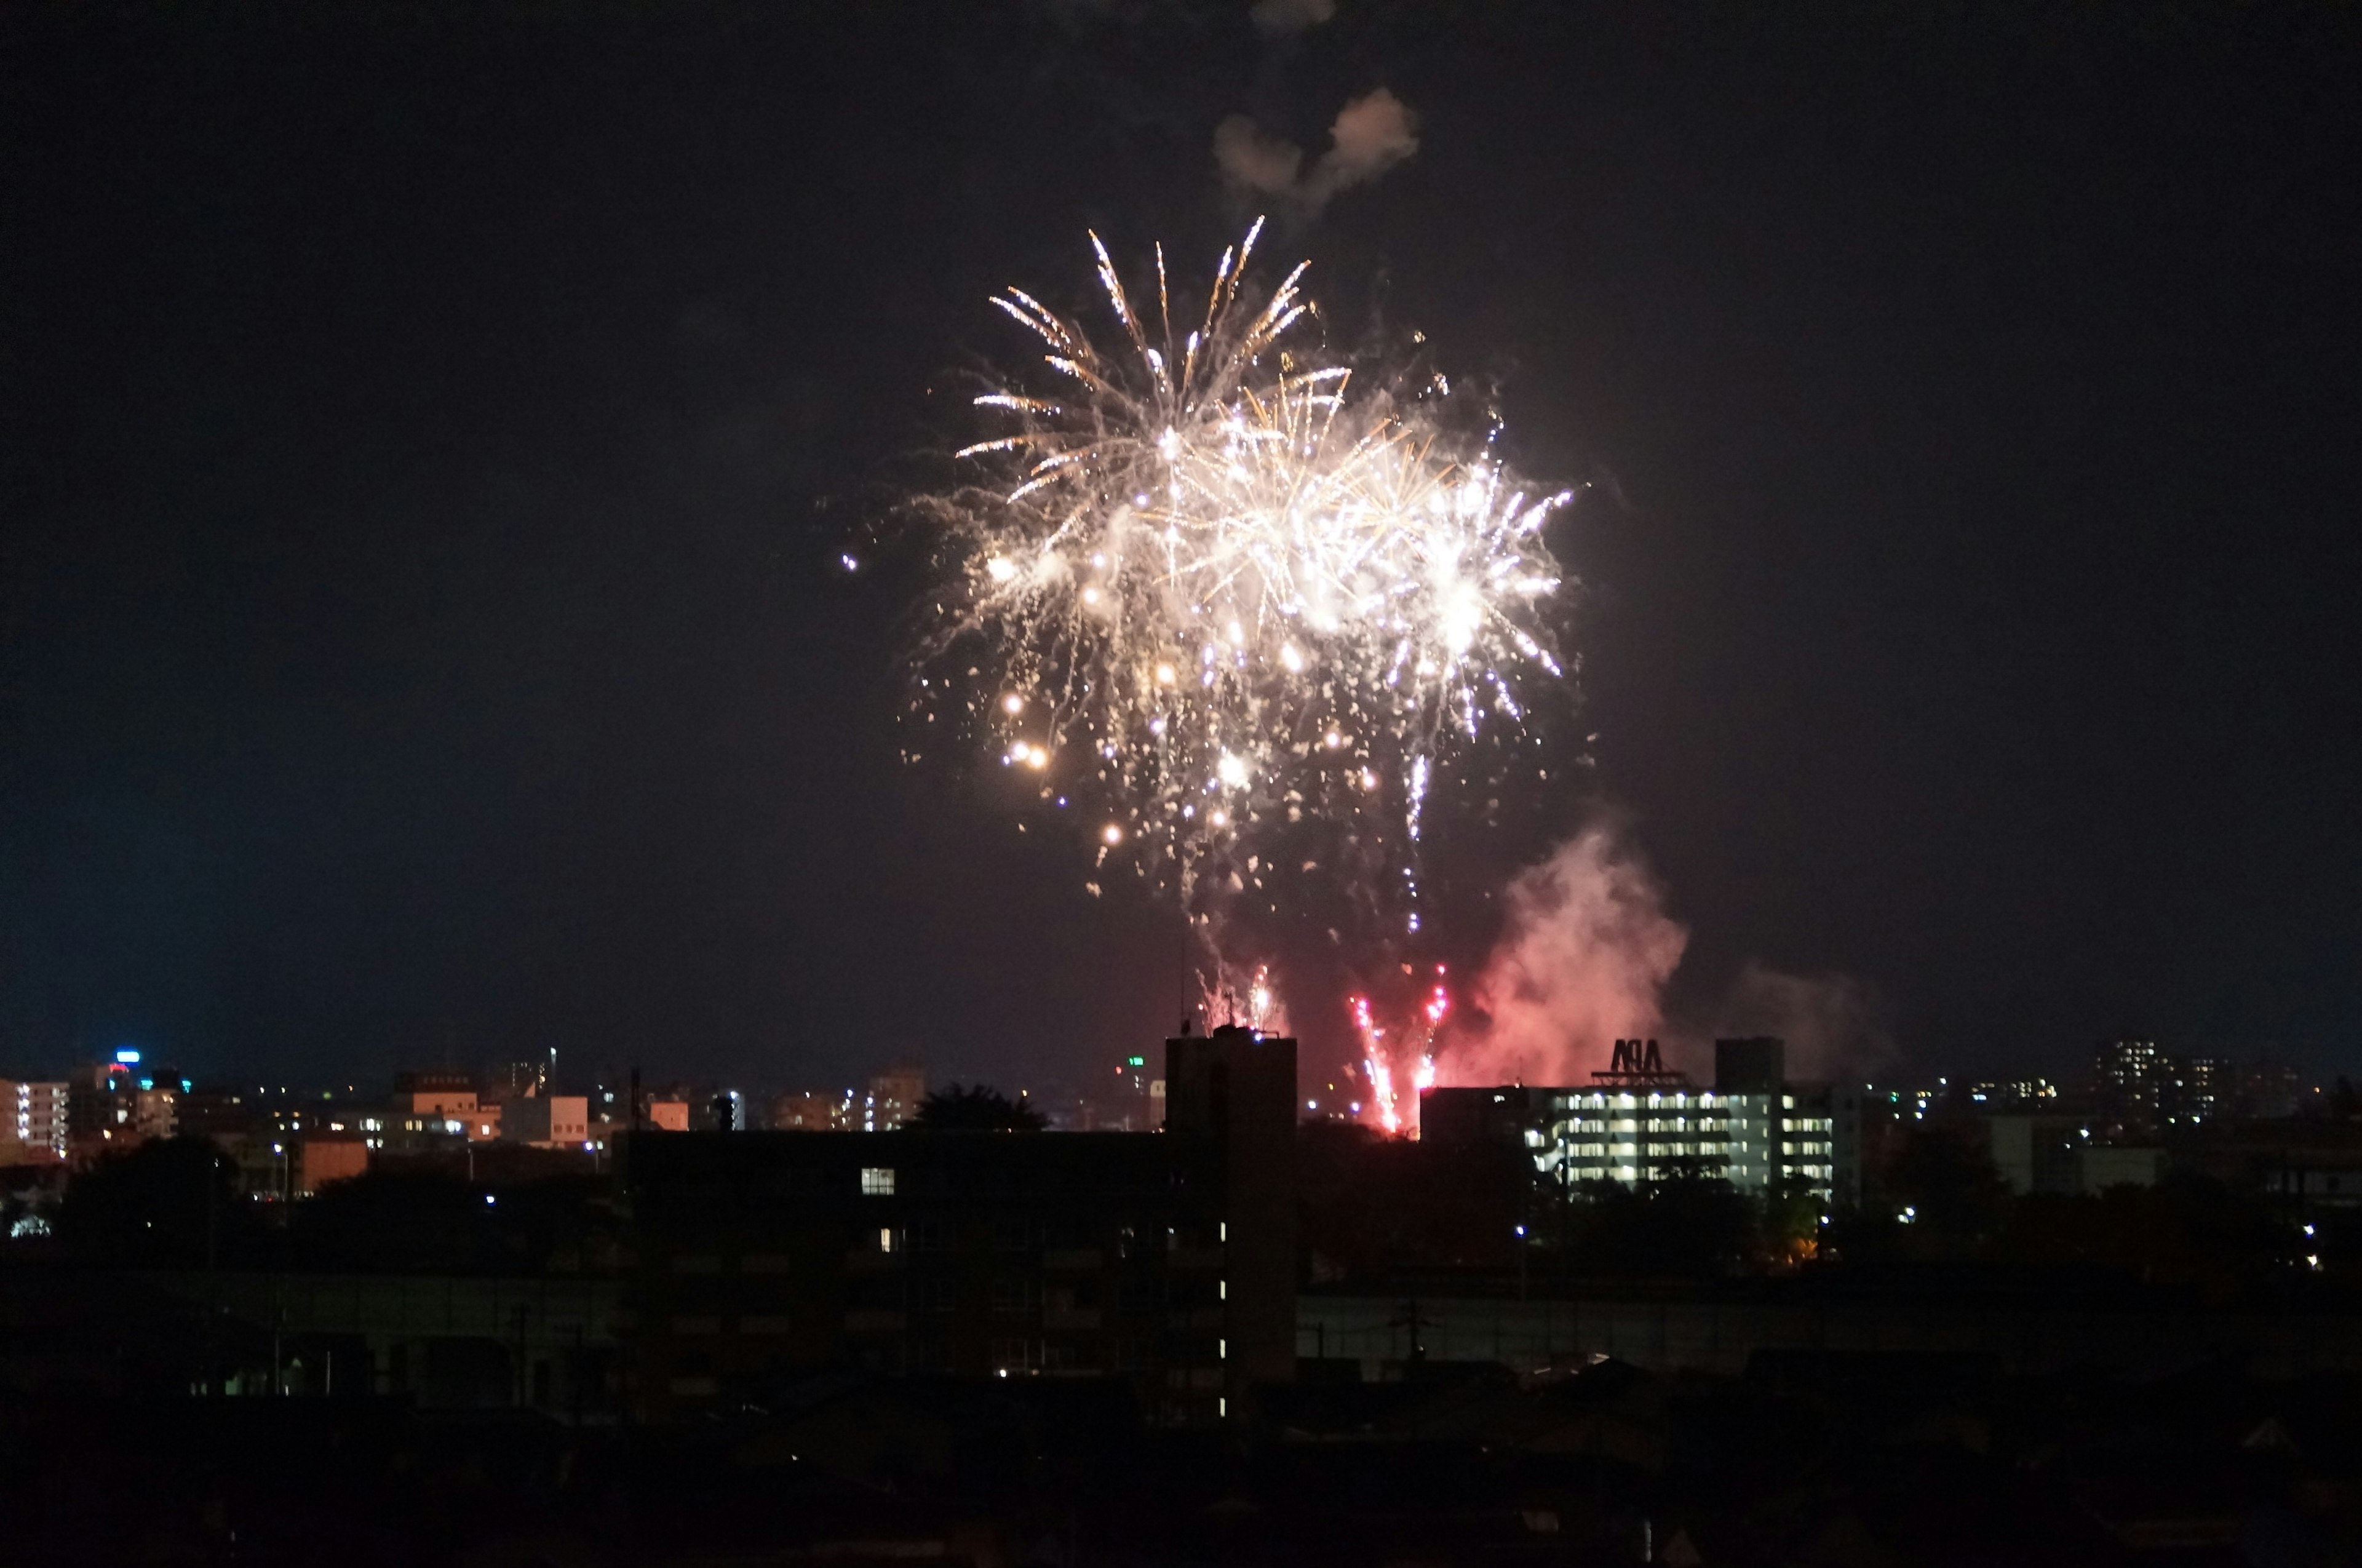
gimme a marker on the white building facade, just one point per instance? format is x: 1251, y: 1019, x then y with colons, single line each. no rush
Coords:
x: 1639, y: 1124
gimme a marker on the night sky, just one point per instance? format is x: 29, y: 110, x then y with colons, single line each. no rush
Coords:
x: 431, y: 433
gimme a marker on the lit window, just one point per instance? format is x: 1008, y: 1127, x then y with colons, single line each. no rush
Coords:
x: 876, y: 1181
x: 886, y: 1236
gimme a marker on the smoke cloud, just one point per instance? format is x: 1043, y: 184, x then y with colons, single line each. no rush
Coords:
x: 1833, y: 1024
x: 1583, y: 960
x: 1287, y: 17
x: 1371, y: 134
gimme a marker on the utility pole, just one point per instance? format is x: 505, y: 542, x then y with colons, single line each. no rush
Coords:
x: 208, y: 1346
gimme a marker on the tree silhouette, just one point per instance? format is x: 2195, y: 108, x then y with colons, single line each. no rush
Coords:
x: 1947, y: 1182
x: 170, y: 1203
x: 973, y: 1108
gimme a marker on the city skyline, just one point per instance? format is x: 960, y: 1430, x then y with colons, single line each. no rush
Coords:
x: 431, y: 632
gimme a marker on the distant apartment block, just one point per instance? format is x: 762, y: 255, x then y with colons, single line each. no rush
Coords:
x: 815, y: 1111
x: 894, y: 1097
x: 1638, y: 1122
x: 2140, y: 1087
x: 34, y: 1127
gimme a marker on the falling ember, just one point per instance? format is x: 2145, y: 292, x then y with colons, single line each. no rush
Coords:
x: 1199, y: 564
x: 1377, y: 1069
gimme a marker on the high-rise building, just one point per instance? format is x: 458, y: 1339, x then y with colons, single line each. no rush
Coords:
x: 2142, y: 1088
x: 1230, y: 1122
x: 2130, y: 1077
x: 2198, y: 1089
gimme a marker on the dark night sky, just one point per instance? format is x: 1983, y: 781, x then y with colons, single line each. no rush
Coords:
x: 430, y: 433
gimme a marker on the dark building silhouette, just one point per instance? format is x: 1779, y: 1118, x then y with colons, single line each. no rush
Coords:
x: 1165, y: 1260
x: 1229, y: 1123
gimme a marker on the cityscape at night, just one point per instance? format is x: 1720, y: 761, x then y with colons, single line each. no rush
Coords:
x: 1170, y: 782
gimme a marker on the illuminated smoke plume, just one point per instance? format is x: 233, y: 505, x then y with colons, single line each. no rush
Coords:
x: 1583, y: 960
x: 1372, y: 134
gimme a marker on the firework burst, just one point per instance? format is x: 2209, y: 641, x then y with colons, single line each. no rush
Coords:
x: 1240, y: 615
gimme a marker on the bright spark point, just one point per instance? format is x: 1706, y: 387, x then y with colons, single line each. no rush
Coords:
x: 1012, y: 703
x: 1112, y: 834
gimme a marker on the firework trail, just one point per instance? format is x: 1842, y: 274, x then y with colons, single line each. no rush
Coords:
x: 1230, y: 995
x: 1244, y: 618
x: 1391, y: 1065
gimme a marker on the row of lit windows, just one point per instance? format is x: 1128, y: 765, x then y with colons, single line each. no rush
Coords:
x: 1656, y: 1147
x: 1703, y: 1100
x: 1635, y: 1124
